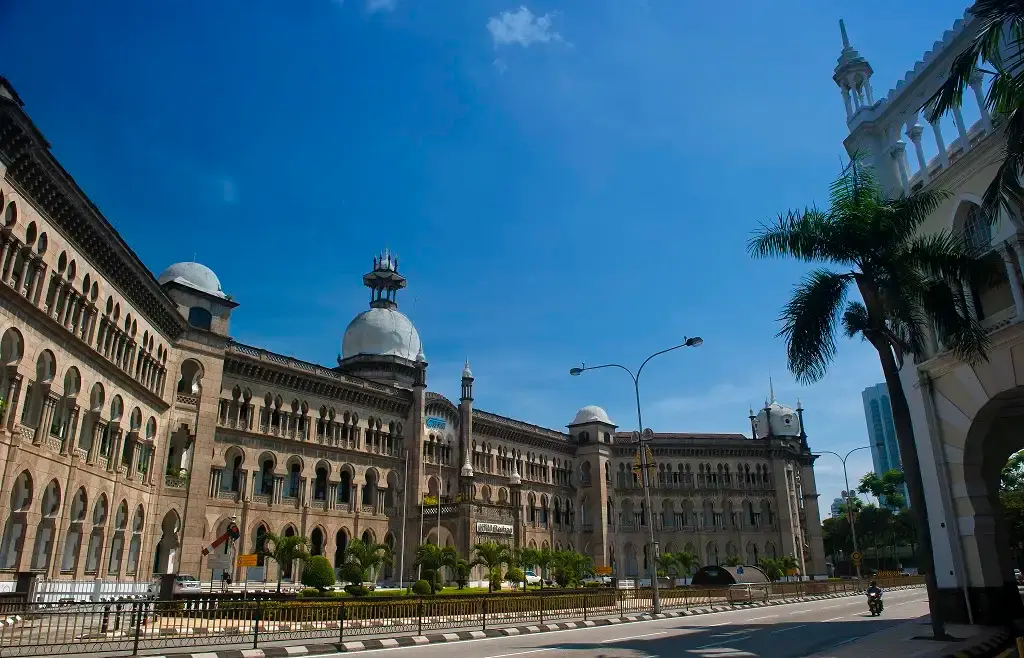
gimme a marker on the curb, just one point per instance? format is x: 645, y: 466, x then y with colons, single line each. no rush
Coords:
x: 457, y: 636
x: 997, y: 641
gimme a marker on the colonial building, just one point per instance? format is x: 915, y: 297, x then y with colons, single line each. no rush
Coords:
x: 966, y: 417
x: 135, y: 430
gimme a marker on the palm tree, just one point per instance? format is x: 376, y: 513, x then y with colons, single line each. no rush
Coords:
x: 999, y: 45
x: 284, y: 551
x: 906, y: 283
x: 362, y: 560
x: 432, y: 558
x: 733, y: 561
x: 493, y: 557
x: 687, y: 562
x: 543, y: 560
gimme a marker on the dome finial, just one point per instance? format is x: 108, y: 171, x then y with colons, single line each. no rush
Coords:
x: 515, y: 479
x: 466, y: 372
x: 467, y: 465
x: 771, y: 389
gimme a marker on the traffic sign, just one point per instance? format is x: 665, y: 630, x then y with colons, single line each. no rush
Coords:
x: 603, y: 571
x: 247, y: 560
x: 648, y: 434
x: 855, y: 556
x: 219, y: 561
x: 634, y: 436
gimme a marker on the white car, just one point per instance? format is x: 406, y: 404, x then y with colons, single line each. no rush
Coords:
x: 532, y: 578
x: 183, y: 584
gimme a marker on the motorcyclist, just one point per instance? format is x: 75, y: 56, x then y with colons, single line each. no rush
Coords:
x: 873, y: 591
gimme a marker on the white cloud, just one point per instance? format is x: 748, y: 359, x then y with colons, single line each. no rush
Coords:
x: 521, y: 27
x: 374, y: 6
x: 500, y: 65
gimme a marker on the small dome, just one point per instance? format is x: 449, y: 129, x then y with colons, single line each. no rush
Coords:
x: 193, y: 275
x: 466, y: 372
x: 591, y: 414
x: 383, y: 331
x: 784, y: 421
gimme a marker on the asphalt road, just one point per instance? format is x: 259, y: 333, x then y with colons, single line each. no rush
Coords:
x: 786, y: 631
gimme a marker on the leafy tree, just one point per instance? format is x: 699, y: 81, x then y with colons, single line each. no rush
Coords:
x: 317, y: 572
x: 284, y: 551
x: 682, y: 563
x: 999, y: 33
x: 772, y: 568
x: 571, y: 568
x: 733, y: 561
x: 492, y: 556
x: 363, y: 560
x: 515, y: 576
x: 1011, y: 478
x: 432, y: 558
x: 888, y: 488
x: 543, y: 560
x: 905, y: 283
x: 462, y: 569
x: 525, y: 559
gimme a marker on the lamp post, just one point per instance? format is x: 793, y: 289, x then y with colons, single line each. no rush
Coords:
x: 849, y: 495
x: 642, y: 439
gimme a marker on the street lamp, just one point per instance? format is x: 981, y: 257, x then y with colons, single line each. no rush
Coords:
x: 848, y: 495
x: 642, y: 439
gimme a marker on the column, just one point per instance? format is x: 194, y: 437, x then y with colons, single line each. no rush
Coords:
x: 975, y: 81
x: 845, y: 91
x: 899, y: 154
x: 1015, y: 284
x: 3, y: 258
x: 961, y: 128
x: 37, y: 275
x: 79, y: 323
x: 25, y: 262
x: 940, y: 143
x: 97, y: 437
x: 914, y: 132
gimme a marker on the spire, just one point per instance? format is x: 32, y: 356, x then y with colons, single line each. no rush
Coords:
x: 516, y: 479
x: 771, y: 390
x: 467, y: 464
x: 853, y: 76
x: 466, y: 372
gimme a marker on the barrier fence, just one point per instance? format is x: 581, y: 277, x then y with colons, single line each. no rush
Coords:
x: 128, y: 627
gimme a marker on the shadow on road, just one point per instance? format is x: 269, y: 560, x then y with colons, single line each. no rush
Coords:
x: 734, y: 640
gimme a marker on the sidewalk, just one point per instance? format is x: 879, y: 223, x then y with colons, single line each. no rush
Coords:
x: 900, y: 642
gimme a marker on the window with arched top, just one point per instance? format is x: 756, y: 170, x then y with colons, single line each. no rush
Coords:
x: 977, y: 229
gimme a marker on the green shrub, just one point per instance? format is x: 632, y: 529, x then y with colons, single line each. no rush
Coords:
x: 591, y: 584
x: 309, y: 591
x: 421, y: 587
x: 317, y: 572
x: 357, y: 590
x: 515, y: 576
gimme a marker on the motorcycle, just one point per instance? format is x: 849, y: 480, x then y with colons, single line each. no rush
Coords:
x: 875, y: 603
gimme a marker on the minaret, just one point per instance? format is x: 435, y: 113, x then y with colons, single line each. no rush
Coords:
x: 853, y: 75
x: 515, y: 487
x: 753, y: 423
x: 800, y: 416
x: 466, y: 408
x: 466, y: 487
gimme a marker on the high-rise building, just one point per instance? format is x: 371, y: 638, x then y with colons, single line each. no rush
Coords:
x: 885, y: 451
x: 837, y: 507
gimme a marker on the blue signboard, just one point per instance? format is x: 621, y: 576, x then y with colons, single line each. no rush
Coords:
x: 435, y: 423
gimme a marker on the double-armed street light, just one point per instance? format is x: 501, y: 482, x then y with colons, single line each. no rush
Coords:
x: 642, y: 438
x: 848, y: 496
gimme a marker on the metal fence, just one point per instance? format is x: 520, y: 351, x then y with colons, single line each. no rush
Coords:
x: 128, y: 627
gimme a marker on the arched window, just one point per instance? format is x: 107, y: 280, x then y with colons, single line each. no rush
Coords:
x: 977, y: 230
x: 200, y: 318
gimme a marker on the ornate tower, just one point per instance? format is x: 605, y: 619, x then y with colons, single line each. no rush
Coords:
x: 853, y: 75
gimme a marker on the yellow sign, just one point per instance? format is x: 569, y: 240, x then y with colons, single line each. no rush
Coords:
x: 855, y: 557
x: 603, y: 571
x: 247, y: 560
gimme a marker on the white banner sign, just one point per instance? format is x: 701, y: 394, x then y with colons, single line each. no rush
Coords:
x: 219, y: 561
x: 494, y: 529
x: 256, y: 573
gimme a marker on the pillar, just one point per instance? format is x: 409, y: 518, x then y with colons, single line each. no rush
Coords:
x: 1014, y: 277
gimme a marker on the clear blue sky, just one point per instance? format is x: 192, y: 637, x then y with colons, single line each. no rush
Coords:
x: 573, y: 181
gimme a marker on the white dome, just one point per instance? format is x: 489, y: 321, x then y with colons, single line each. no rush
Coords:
x: 466, y: 372
x: 784, y: 421
x: 381, y: 331
x: 591, y: 414
x: 193, y: 275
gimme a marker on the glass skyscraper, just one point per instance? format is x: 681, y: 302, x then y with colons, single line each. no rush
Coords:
x: 885, y: 452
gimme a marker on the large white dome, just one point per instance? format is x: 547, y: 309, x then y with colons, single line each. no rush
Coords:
x: 591, y: 414
x: 784, y: 421
x: 193, y: 275
x: 383, y: 331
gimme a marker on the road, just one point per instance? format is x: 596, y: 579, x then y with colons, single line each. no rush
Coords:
x: 785, y: 631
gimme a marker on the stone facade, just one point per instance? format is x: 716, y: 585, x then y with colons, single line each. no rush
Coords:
x: 135, y: 430
x: 966, y: 417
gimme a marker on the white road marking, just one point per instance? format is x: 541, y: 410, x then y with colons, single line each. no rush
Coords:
x: 519, y: 653
x: 765, y: 617
x: 729, y: 641
x: 791, y: 628
x: 620, y: 639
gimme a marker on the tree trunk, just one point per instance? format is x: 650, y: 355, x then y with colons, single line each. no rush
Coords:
x: 915, y: 484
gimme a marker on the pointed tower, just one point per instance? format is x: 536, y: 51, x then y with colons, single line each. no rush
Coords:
x: 467, y: 489
x: 853, y: 75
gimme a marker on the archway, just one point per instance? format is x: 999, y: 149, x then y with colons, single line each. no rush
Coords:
x: 17, y: 522
x: 340, y: 544
x: 994, y: 436
x: 73, y: 539
x: 316, y: 542
x: 167, y: 548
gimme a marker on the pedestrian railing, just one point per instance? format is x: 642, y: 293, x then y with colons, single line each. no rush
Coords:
x: 128, y: 627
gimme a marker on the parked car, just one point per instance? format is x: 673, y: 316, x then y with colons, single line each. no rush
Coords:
x: 183, y: 584
x: 603, y: 581
x: 532, y: 578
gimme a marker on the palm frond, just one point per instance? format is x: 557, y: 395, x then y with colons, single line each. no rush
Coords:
x: 795, y: 233
x: 855, y: 320
x: 809, y: 323
x: 954, y: 323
